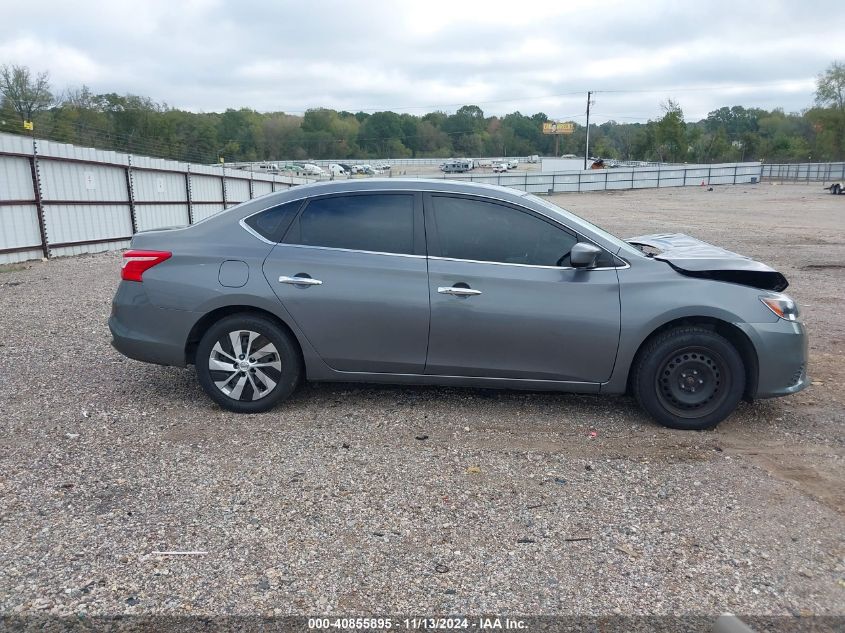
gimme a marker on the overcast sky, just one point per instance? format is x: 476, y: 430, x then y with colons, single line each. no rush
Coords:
x: 417, y: 56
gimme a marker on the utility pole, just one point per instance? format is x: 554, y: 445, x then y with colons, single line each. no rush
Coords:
x: 587, y: 149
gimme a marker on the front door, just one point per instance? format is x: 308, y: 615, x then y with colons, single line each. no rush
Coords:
x: 351, y: 271
x: 504, y: 301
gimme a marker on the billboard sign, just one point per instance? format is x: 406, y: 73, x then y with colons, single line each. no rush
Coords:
x: 558, y: 127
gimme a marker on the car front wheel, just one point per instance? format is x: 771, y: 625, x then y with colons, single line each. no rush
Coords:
x: 247, y: 363
x: 689, y: 378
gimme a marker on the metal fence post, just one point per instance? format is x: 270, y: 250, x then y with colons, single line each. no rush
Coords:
x: 39, y: 204
x: 251, y: 196
x: 189, y: 196
x: 658, y: 176
x: 605, y: 180
x: 579, y: 182
x: 131, y: 194
x: 223, y: 186
x: 734, y: 173
x: 685, y: 176
x: 709, y: 171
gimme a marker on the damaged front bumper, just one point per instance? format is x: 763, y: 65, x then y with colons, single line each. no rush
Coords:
x: 781, y: 357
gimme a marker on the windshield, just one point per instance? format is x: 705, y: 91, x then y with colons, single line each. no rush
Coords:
x: 579, y: 221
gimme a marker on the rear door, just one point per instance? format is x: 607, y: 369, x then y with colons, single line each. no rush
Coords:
x: 504, y: 301
x: 351, y: 270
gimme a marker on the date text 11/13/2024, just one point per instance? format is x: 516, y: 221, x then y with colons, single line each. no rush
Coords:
x: 417, y: 623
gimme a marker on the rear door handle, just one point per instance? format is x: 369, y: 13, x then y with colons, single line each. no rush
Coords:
x: 300, y: 281
x: 458, y: 292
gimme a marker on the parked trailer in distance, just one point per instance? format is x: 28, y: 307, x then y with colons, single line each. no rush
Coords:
x: 456, y: 166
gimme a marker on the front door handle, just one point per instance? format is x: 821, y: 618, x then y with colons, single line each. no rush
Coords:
x: 458, y: 292
x: 300, y: 281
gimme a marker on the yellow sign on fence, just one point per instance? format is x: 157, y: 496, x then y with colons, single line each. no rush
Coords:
x: 27, y: 125
x: 558, y: 127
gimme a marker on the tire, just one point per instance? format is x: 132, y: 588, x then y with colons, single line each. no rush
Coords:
x: 835, y: 189
x: 689, y: 378
x: 259, y: 382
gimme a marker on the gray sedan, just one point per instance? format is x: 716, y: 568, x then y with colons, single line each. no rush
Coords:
x: 448, y: 283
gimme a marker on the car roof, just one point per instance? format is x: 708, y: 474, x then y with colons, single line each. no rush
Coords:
x: 437, y: 185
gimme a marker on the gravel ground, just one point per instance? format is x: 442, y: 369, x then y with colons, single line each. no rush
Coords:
x: 374, y: 500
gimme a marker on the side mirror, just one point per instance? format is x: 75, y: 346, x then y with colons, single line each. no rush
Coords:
x: 584, y: 255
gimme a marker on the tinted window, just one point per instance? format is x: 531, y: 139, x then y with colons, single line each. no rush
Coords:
x: 272, y: 223
x: 489, y: 232
x: 382, y: 223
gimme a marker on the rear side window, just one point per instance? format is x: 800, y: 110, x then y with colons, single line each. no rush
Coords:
x: 382, y: 223
x: 490, y: 232
x: 272, y: 223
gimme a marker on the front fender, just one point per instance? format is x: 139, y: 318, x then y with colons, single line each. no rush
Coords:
x: 653, y: 294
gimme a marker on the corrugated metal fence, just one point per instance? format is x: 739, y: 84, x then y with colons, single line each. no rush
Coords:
x: 824, y: 172
x: 59, y: 199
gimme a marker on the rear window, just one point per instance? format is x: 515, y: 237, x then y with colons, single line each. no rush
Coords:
x: 272, y: 223
x: 383, y: 223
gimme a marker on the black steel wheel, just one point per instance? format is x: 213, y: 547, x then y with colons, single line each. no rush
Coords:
x: 689, y: 378
x: 691, y: 382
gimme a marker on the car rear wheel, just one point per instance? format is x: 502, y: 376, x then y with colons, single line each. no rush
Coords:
x: 835, y: 189
x: 689, y: 378
x: 247, y: 363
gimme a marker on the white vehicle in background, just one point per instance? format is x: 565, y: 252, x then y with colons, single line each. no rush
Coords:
x: 513, y: 163
x: 366, y: 170
x: 456, y: 165
x: 499, y: 167
x: 336, y: 170
x: 483, y: 162
x: 534, y: 158
x: 310, y: 169
x: 383, y: 166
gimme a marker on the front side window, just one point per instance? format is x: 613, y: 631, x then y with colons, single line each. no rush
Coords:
x: 382, y: 223
x: 490, y: 232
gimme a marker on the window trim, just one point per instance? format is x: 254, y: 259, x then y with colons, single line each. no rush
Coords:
x: 433, y: 239
x: 419, y: 206
x: 351, y: 250
x: 418, y: 244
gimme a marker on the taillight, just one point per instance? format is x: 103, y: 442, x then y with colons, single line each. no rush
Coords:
x: 136, y: 262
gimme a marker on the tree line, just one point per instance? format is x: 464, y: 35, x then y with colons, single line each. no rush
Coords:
x: 137, y: 124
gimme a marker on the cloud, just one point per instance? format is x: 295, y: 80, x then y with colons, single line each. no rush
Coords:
x: 210, y: 55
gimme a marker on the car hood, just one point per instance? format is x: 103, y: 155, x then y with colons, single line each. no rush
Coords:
x: 695, y: 258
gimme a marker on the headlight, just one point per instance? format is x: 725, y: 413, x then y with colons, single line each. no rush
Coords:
x: 782, y: 306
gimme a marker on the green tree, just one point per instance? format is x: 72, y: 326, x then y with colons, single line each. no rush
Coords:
x: 670, y: 133
x: 24, y: 94
x: 829, y: 122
